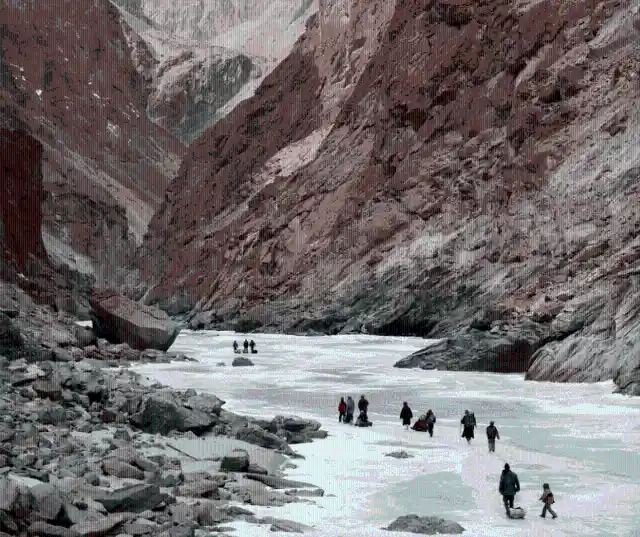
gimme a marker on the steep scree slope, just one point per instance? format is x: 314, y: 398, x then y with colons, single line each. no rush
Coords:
x: 422, y: 167
x: 66, y: 67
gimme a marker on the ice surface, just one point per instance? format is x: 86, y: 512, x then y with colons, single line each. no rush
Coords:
x: 579, y: 438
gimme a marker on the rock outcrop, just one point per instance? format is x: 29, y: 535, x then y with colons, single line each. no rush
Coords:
x: 198, y: 62
x: 66, y: 71
x: 121, y: 320
x: 429, y: 525
x: 406, y: 170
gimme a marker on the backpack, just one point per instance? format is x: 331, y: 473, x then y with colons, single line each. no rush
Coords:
x: 517, y: 512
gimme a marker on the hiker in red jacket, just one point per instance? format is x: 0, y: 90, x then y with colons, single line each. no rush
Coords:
x: 342, y: 409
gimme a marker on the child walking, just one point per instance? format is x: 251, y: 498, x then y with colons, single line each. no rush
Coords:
x: 547, y: 499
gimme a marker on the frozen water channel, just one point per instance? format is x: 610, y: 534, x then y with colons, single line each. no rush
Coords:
x: 581, y: 439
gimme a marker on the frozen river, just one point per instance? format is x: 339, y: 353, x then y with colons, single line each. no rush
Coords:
x: 579, y: 438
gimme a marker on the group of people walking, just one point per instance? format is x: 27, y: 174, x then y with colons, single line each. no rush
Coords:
x: 509, y: 484
x: 346, y: 410
x: 246, y: 345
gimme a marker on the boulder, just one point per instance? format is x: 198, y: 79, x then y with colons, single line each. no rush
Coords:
x: 160, y: 414
x: 47, y: 501
x: 98, y: 528
x: 278, y: 482
x: 85, y: 336
x: 399, y: 455
x: 43, y: 529
x: 208, y: 515
x: 133, y: 498
x: 207, y: 403
x: 507, y: 348
x: 429, y: 525
x: 256, y: 435
x: 8, y: 494
x: 205, y: 488
x: 11, y: 342
x: 288, y: 526
x: 241, y: 361
x: 121, y: 320
x: 52, y: 415
x: 48, y: 389
x: 118, y: 468
x: 236, y: 461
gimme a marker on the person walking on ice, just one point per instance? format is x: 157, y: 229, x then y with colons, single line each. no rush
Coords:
x: 431, y: 421
x: 406, y: 415
x: 509, y: 486
x: 342, y: 410
x: 351, y: 406
x: 468, y: 424
x: 363, y: 407
x: 547, y: 500
x: 492, y: 434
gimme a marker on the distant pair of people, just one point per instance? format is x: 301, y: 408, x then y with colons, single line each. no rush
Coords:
x: 510, y: 485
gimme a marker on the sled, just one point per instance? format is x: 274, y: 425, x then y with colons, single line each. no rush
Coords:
x: 254, y: 351
x: 237, y: 351
x: 364, y: 423
x: 245, y: 351
x: 517, y: 512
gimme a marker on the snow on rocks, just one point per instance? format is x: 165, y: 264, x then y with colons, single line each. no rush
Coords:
x: 429, y: 525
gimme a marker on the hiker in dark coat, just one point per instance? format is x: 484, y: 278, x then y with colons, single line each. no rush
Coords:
x: 431, y: 421
x: 245, y: 345
x: 252, y: 344
x: 363, y: 406
x: 547, y: 499
x: 468, y: 424
x: 509, y: 486
x: 351, y: 406
x: 406, y: 415
x: 235, y: 346
x: 342, y: 409
x: 492, y: 434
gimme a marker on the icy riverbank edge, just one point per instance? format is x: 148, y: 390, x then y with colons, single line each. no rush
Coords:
x: 90, y: 448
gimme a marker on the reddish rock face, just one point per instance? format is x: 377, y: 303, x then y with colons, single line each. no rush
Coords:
x: 404, y: 178
x: 66, y: 66
x: 21, y: 195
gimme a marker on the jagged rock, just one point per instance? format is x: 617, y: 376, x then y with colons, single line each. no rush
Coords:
x: 198, y: 489
x: 8, y: 494
x: 43, y: 529
x: 278, y: 482
x: 134, y: 498
x: 288, y: 526
x: 425, y: 525
x: 205, y: 403
x: 85, y: 336
x: 47, y: 501
x: 236, y: 461
x: 75, y: 515
x: 506, y: 350
x: 257, y: 469
x: 50, y: 389
x: 121, y: 320
x: 305, y: 492
x: 11, y: 342
x: 241, y: 361
x: 254, y: 434
x: 162, y: 415
x: 98, y: 528
x: 399, y: 455
x: 209, y: 515
x: 118, y: 468
x: 52, y: 415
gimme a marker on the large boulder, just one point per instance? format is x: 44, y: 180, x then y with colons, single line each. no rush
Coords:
x: 121, y: 320
x: 8, y: 494
x: 241, y: 361
x: 162, y: 414
x: 253, y: 434
x: 98, y: 528
x: 236, y: 461
x: 11, y: 342
x: 505, y: 348
x: 133, y: 498
x: 47, y: 501
x: 279, y: 482
x: 206, y: 403
x: 429, y: 525
x: 118, y: 468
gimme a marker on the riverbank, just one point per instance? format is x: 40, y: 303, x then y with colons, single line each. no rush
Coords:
x: 88, y: 448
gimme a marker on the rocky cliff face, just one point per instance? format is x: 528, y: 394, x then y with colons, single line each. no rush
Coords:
x: 429, y: 167
x: 67, y: 71
x: 200, y: 59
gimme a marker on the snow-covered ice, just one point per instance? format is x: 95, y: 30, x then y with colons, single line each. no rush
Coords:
x: 580, y: 438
